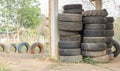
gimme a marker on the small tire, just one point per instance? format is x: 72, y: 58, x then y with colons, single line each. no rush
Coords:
x: 12, y: 45
x: 4, y: 47
x: 74, y: 11
x: 40, y: 47
x: 94, y: 26
x: 23, y: 44
x: 72, y: 6
x: 109, y: 33
x: 71, y: 38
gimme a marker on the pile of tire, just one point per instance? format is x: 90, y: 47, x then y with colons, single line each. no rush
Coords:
x: 94, y: 35
x: 70, y: 27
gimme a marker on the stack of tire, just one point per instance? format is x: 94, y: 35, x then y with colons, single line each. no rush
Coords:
x: 94, y: 37
x: 70, y: 27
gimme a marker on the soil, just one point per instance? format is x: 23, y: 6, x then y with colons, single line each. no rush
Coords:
x: 27, y: 62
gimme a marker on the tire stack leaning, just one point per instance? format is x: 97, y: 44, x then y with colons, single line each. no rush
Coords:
x: 109, y: 36
x: 70, y: 26
x: 94, y: 39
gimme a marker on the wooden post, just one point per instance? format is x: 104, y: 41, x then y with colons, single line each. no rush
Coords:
x: 98, y: 4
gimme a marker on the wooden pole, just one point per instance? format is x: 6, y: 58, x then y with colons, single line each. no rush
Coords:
x: 98, y: 4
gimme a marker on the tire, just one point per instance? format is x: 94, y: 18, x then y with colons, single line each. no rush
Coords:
x: 109, y: 26
x: 109, y: 33
x: 88, y: 13
x: 109, y: 50
x: 3, y: 47
x: 70, y: 17
x: 72, y: 6
x: 67, y: 33
x: 69, y: 44
x: 70, y: 26
x: 71, y: 38
x: 93, y: 46
x: 109, y: 45
x: 23, y: 44
x: 94, y: 26
x: 74, y: 11
x: 94, y: 40
x: 75, y: 59
x: 116, y: 44
x: 34, y: 45
x: 93, y: 33
x: 70, y: 52
x: 12, y: 45
x: 110, y: 19
x: 94, y: 20
x: 109, y: 40
x: 93, y: 53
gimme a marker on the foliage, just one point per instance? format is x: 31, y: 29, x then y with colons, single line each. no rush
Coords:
x: 4, y: 68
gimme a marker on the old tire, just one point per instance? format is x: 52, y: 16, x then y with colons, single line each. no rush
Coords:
x: 72, y: 6
x: 3, y: 47
x: 23, y: 44
x: 109, y: 33
x: 93, y: 46
x: 110, y: 19
x: 12, y: 45
x: 70, y: 52
x: 74, y: 11
x: 34, y: 45
x: 71, y: 38
x: 94, y: 26
x: 109, y: 26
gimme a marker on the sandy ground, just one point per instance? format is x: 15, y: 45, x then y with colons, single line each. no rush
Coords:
x: 34, y: 63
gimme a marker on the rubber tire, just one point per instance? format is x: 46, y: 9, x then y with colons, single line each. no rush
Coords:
x: 109, y: 45
x: 94, y: 20
x: 23, y: 44
x: 74, y: 11
x: 88, y: 13
x: 4, y: 47
x: 93, y: 33
x: 71, y: 59
x: 94, y: 26
x: 70, y: 52
x: 71, y: 38
x: 72, y: 6
x: 93, y: 46
x: 109, y: 26
x: 70, y: 17
x: 93, y: 53
x: 110, y: 19
x: 70, y: 26
x: 109, y: 33
x: 94, y: 40
x: 34, y: 45
x: 69, y: 44
x: 12, y: 45
x: 109, y: 40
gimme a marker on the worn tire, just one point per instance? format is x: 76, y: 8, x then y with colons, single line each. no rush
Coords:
x: 12, y: 45
x: 71, y: 38
x: 72, y: 6
x: 109, y: 40
x: 4, y: 47
x: 70, y: 17
x: 70, y: 26
x: 94, y: 40
x: 93, y: 46
x: 23, y: 44
x: 110, y: 19
x: 109, y: 33
x: 74, y: 11
x: 93, y: 53
x: 94, y: 20
x: 109, y: 45
x: 94, y: 26
x: 93, y: 33
x: 70, y: 52
x: 69, y: 44
x: 88, y: 13
x: 109, y: 26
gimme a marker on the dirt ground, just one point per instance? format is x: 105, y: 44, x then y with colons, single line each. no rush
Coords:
x: 19, y: 62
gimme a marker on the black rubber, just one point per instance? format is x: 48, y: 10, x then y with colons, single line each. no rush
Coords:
x: 70, y: 26
x: 109, y: 33
x: 93, y: 53
x: 23, y: 44
x: 94, y: 40
x: 71, y: 38
x: 93, y: 46
x: 69, y: 44
x: 70, y: 52
x: 12, y: 45
x: 74, y: 11
x: 88, y: 13
x: 70, y: 17
x: 72, y: 6
x: 109, y: 26
x: 109, y: 40
x: 109, y: 45
x: 93, y: 33
x: 110, y: 19
x: 94, y: 26
x: 94, y: 20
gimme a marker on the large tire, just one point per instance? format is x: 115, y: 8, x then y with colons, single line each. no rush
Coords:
x: 71, y: 38
x: 3, y: 47
x: 93, y: 46
x: 12, y: 45
x: 72, y: 6
x: 23, y: 44
x: 110, y: 19
x: 94, y: 40
x: 94, y: 20
x: 74, y: 11
x: 109, y: 33
x: 94, y: 33
x: 94, y: 26
x: 70, y: 26
x: 70, y: 17
x: 69, y: 44
x: 34, y: 45
x: 70, y: 52
x: 75, y: 59
x: 93, y: 53
x: 102, y: 13
x: 109, y: 26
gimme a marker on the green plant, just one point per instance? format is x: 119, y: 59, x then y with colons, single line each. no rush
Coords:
x: 4, y: 68
x: 89, y: 61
